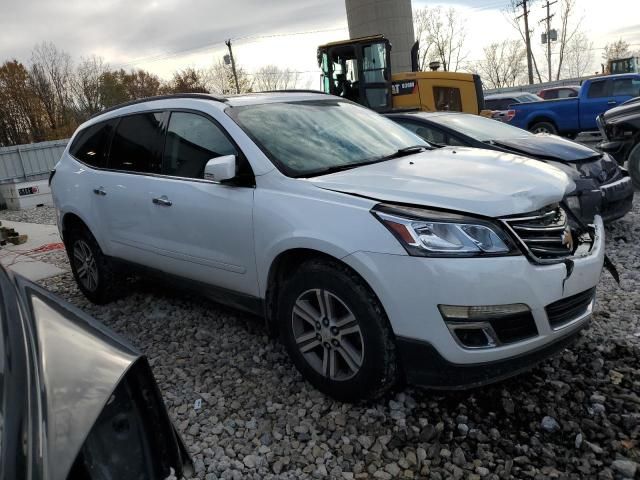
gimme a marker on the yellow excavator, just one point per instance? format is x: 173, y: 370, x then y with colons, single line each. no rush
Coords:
x: 360, y: 70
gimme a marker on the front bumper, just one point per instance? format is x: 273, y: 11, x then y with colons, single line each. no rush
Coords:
x: 411, y: 288
x: 617, y: 197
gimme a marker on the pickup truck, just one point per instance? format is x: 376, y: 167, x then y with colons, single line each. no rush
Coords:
x: 569, y: 116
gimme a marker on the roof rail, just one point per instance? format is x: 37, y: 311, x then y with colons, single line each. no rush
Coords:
x: 202, y: 96
x: 293, y: 90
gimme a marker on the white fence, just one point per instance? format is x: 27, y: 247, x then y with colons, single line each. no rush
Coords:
x: 33, y: 161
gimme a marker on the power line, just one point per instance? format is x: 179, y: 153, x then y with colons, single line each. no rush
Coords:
x: 193, y: 49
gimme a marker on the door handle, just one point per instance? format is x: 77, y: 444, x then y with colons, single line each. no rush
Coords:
x: 611, y: 102
x: 163, y: 200
x: 99, y: 191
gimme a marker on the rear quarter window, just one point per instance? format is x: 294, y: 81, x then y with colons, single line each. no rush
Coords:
x: 91, y: 144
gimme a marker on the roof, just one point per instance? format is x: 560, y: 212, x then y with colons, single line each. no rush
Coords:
x: 560, y: 87
x: 222, y: 101
x: 370, y: 38
x: 497, y: 96
x: 423, y: 114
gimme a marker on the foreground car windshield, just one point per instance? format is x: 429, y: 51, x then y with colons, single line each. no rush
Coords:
x: 305, y: 138
x: 481, y: 128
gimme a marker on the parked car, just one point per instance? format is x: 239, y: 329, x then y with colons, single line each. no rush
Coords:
x: 601, y: 186
x: 499, y: 103
x: 564, y: 91
x: 76, y: 400
x: 620, y: 128
x: 569, y: 116
x: 317, y: 214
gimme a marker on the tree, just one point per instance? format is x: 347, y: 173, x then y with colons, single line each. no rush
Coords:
x: 578, y: 59
x: 271, y: 77
x: 571, y: 37
x: 188, y: 80
x: 504, y: 64
x: 22, y: 118
x: 86, y: 85
x: 442, y: 34
x: 513, y: 14
x: 219, y: 78
x: 51, y: 77
x: 616, y: 50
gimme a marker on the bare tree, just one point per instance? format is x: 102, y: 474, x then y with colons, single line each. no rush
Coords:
x: 504, y: 64
x: 219, y: 78
x: 512, y: 12
x: 569, y: 32
x: 615, y: 50
x: 272, y: 77
x: 86, y: 84
x: 52, y: 73
x: 578, y: 56
x: 442, y: 35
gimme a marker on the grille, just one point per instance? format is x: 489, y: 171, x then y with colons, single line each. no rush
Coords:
x: 567, y: 309
x: 514, y: 328
x: 546, y: 235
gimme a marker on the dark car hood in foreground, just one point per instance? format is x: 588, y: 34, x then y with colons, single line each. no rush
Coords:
x: 549, y: 147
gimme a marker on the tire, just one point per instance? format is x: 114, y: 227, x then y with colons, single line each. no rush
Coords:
x: 348, y: 360
x: 94, y: 272
x: 544, y: 127
x: 633, y: 165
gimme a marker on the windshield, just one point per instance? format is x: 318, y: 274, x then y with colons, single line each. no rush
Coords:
x: 481, y: 128
x: 303, y: 138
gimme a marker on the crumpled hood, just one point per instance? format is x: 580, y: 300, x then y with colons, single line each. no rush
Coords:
x: 470, y: 180
x: 549, y: 147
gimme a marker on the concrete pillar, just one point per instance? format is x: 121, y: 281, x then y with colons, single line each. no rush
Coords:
x: 391, y: 18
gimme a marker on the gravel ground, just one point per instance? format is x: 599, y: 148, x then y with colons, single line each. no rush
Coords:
x: 45, y: 215
x: 575, y: 416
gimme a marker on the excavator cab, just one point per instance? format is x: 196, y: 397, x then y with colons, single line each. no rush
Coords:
x: 358, y: 70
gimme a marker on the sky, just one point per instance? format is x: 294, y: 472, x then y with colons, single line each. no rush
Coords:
x: 164, y: 35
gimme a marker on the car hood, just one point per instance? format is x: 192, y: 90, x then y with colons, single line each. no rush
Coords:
x: 549, y: 147
x: 471, y: 180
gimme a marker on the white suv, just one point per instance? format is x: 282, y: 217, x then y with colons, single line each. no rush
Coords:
x: 376, y: 258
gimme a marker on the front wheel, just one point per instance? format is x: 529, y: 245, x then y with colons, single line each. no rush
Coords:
x: 633, y: 165
x: 94, y: 272
x: 544, y: 127
x: 337, y: 333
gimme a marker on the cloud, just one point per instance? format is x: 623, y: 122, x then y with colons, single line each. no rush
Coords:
x: 122, y: 30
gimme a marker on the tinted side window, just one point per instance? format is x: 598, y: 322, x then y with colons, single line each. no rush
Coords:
x: 597, y: 90
x: 551, y: 94
x: 626, y: 86
x: 91, y: 144
x: 447, y: 99
x: 136, y: 144
x: 429, y: 134
x: 193, y: 140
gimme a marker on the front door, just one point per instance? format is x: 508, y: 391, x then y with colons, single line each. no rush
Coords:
x: 375, y: 77
x: 597, y: 100
x: 204, y: 230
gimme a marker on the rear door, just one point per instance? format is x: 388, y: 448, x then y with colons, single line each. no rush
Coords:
x: 204, y: 230
x: 596, y: 100
x: 624, y: 89
x: 124, y: 190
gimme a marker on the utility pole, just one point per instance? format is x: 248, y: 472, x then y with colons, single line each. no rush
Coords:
x: 548, y: 20
x: 233, y: 65
x: 525, y: 14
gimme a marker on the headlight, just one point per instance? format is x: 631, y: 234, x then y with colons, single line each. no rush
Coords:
x: 430, y: 233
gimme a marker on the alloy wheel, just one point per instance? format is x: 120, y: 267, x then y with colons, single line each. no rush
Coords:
x: 85, y: 263
x: 327, y: 334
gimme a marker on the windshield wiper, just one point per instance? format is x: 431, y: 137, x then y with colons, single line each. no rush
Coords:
x: 402, y: 152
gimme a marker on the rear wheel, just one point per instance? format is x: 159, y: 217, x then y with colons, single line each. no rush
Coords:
x: 336, y: 332
x: 633, y: 164
x: 544, y: 127
x: 94, y: 272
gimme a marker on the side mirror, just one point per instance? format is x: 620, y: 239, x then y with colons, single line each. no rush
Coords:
x: 220, y: 168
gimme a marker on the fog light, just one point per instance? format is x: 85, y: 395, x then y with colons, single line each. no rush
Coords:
x: 455, y: 313
x: 488, y: 326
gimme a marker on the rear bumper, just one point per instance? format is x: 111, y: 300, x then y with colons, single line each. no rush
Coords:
x: 424, y: 366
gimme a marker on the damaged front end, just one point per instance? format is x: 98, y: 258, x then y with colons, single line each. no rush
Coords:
x: 620, y: 129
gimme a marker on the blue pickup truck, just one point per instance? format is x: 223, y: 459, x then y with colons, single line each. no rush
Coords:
x: 569, y: 116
